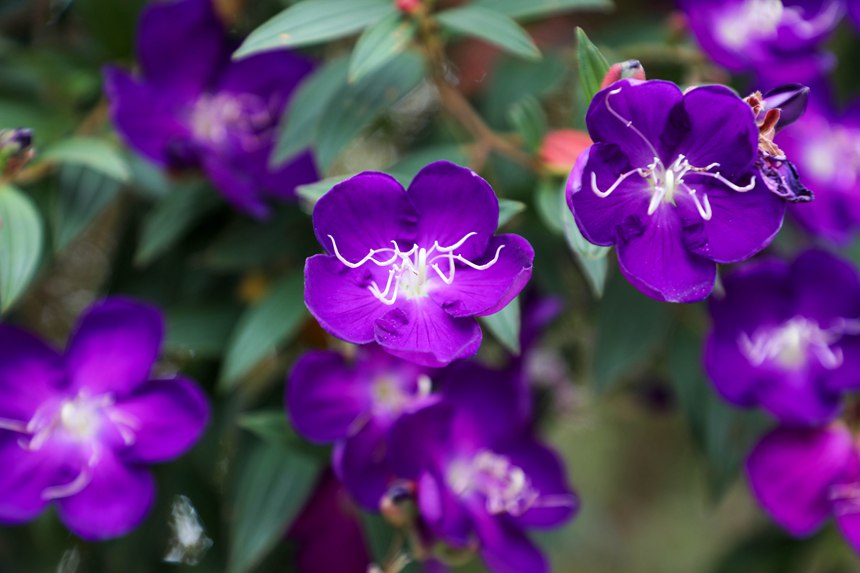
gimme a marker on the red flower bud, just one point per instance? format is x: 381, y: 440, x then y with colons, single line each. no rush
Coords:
x: 623, y: 70
x: 561, y: 148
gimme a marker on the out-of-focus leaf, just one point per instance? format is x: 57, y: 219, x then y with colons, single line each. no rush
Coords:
x: 299, y: 122
x: 357, y: 105
x: 379, y: 44
x: 270, y: 426
x: 528, y: 118
x: 112, y: 23
x: 547, y: 205
x: 592, y: 65
x: 172, y: 217
x: 505, y: 326
x: 514, y: 80
x: 92, y: 152
x: 591, y: 258
x: 491, y: 26
x: 380, y: 538
x: 20, y: 244
x: 83, y: 193
x: 263, y: 328
x: 203, y: 331
x: 311, y: 193
x: 315, y: 21
x: 273, y: 485
x: 526, y: 9
x: 508, y: 209
x: 630, y: 328
x: 414, y: 161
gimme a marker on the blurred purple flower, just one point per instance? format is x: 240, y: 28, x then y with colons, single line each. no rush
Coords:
x: 786, y: 337
x: 410, y: 269
x: 354, y: 405
x: 777, y: 39
x: 826, y: 148
x: 671, y: 181
x: 802, y: 477
x: 80, y: 429
x: 192, y: 106
x: 481, y: 478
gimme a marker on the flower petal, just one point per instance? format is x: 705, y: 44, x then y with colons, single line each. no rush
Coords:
x: 506, y: 549
x: 556, y: 503
x: 420, y: 441
x: 361, y: 464
x: 451, y: 202
x: 443, y: 512
x: 171, y: 416
x: 367, y: 211
x: 114, y: 503
x: 273, y: 75
x: 114, y: 346
x: 827, y: 287
x: 236, y: 184
x: 484, y: 292
x: 283, y: 181
x: 791, y: 472
x: 325, y: 397
x: 797, y: 398
x: 421, y: 331
x: 30, y: 373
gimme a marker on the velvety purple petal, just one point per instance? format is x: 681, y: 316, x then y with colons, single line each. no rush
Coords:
x: 361, y: 464
x: 422, y: 441
x: 169, y: 417
x: 846, y: 378
x: 273, y: 75
x: 482, y: 292
x: 325, y: 398
x: 452, y: 202
x: 758, y: 294
x: 732, y: 374
x: 114, y: 346
x: 791, y: 472
x: 742, y: 223
x: 30, y: 373
x: 421, y: 331
x: 827, y: 288
x: 114, y: 503
x: 633, y: 115
x: 443, y: 512
x: 844, y: 498
x: 167, y: 57
x: 238, y: 186
x: 150, y: 121
x: 282, y: 182
x: 796, y: 398
x: 506, y: 549
x: 338, y: 297
x: 556, y: 503
x: 720, y: 128
x: 790, y: 99
x: 658, y: 263
x: 367, y: 211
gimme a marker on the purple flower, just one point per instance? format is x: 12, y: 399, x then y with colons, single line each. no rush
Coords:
x: 803, y: 477
x: 826, y: 148
x: 410, y: 269
x: 80, y: 430
x: 193, y: 107
x: 786, y: 337
x: 777, y: 39
x: 481, y: 478
x: 354, y: 404
x: 671, y: 181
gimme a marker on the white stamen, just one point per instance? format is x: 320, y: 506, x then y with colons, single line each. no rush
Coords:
x: 795, y: 341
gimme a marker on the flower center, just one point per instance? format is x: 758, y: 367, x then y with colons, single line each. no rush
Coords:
x: 752, y: 19
x: 795, y: 341
x: 245, y: 118
x: 409, y: 271
x: 665, y: 181
x: 391, y: 396
x: 505, y: 487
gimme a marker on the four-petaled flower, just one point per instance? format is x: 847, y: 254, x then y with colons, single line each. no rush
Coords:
x: 410, y: 269
x: 671, y: 181
x: 786, y: 337
x: 79, y: 430
x: 193, y: 107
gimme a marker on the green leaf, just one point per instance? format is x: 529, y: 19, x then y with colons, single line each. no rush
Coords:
x: 592, y: 65
x: 528, y: 118
x: 171, y: 218
x: 379, y: 44
x: 514, y: 80
x: 311, y: 193
x: 547, y: 204
x: 83, y: 194
x: 270, y: 426
x: 273, y: 486
x: 300, y: 120
x: 630, y: 328
x: 92, y: 152
x: 491, y: 26
x: 508, y: 209
x: 526, y: 9
x: 355, y: 106
x: 20, y: 244
x: 505, y: 326
x: 411, y: 163
x: 263, y: 328
x: 202, y: 331
x: 592, y: 259
x: 313, y: 22
x: 381, y: 538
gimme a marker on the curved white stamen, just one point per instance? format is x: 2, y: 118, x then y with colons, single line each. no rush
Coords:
x: 453, y: 247
x: 748, y: 187
x: 369, y: 257
x: 13, y: 425
x: 703, y: 205
x: 483, y: 267
x: 619, y: 181
x: 793, y: 342
x: 825, y: 18
x: 78, y: 484
x: 628, y: 123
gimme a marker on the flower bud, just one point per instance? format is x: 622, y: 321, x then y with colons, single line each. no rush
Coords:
x: 408, y: 6
x: 397, y: 505
x: 15, y: 150
x: 790, y: 99
x: 560, y: 149
x: 622, y: 71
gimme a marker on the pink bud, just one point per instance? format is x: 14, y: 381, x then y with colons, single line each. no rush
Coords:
x: 561, y: 148
x: 622, y: 71
x: 408, y: 6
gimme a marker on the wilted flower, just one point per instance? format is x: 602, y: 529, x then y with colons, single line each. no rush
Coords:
x: 803, y: 477
x: 671, y: 181
x: 410, y: 269
x: 775, y: 38
x: 354, y: 405
x: 79, y: 430
x: 482, y: 480
x: 786, y: 337
x: 192, y: 106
